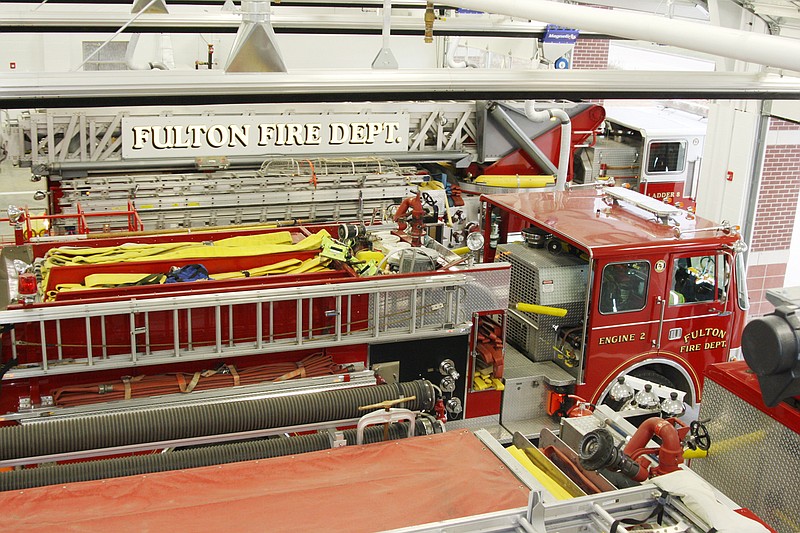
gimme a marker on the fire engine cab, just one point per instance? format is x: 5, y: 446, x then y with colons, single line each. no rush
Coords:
x: 654, y: 150
x: 645, y: 288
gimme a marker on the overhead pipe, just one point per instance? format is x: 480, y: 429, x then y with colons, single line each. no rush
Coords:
x: 450, y: 55
x: 530, y: 148
x: 566, y: 137
x: 132, y: 65
x: 769, y: 50
x: 82, y: 168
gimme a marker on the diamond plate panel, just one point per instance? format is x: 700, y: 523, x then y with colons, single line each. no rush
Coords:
x: 487, y: 289
x: 524, y: 399
x: 623, y: 159
x: 395, y: 309
x: 754, y: 459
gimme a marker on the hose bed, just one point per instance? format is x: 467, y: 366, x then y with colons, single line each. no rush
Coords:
x: 155, y: 425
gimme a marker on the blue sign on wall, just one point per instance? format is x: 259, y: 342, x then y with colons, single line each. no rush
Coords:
x: 557, y: 34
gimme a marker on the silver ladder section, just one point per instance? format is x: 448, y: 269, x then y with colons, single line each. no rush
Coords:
x: 398, y: 309
x: 40, y: 138
x: 282, y: 189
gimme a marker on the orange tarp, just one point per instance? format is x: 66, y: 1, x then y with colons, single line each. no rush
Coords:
x: 353, y: 489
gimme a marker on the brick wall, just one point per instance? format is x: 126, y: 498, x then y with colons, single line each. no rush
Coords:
x: 777, y: 124
x: 590, y: 54
x: 775, y: 215
x: 777, y: 201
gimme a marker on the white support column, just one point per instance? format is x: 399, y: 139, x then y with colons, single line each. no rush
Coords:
x: 730, y: 139
x: 734, y: 147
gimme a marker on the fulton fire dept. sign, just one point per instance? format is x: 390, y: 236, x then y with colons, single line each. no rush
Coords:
x: 158, y: 137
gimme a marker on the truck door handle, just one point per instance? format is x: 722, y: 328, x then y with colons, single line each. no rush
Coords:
x: 663, y: 303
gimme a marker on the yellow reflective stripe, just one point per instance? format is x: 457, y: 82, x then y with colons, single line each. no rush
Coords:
x: 95, y: 280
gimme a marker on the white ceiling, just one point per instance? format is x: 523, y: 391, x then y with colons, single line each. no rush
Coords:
x: 782, y: 16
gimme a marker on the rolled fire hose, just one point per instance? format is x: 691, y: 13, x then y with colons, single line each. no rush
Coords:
x: 173, y: 423
x: 515, y: 181
x: 541, y: 309
x: 191, y: 458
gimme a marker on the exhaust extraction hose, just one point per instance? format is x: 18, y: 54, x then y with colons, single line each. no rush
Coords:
x: 190, y: 458
x: 173, y: 423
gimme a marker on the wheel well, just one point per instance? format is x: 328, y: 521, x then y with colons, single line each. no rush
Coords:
x: 666, y: 375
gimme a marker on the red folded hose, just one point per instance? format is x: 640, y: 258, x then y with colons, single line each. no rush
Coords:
x: 317, y: 364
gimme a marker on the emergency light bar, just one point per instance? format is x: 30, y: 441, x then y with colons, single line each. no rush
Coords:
x: 651, y: 205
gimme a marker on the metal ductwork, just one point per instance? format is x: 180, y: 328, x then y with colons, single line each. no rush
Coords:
x: 255, y: 48
x: 158, y: 7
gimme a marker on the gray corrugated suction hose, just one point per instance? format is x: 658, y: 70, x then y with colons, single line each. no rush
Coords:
x: 189, y: 458
x: 136, y: 427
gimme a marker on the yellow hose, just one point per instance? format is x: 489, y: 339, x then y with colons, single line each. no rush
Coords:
x: 694, y: 454
x: 541, y: 309
x: 547, y: 482
x: 515, y: 181
x: 464, y: 250
x: 724, y: 446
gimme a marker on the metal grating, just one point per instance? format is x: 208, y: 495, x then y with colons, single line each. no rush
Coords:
x: 540, y: 277
x: 537, y: 340
x: 110, y: 57
x: 754, y: 459
x: 524, y: 338
x: 486, y: 290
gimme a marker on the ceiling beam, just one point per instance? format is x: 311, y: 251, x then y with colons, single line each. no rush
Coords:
x: 167, y: 88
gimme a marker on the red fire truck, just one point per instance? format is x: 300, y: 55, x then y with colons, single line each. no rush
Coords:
x: 650, y: 290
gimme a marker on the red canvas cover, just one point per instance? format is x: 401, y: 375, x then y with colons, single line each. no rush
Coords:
x: 357, y: 488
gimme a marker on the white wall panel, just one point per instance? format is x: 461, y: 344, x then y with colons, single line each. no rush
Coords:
x: 729, y: 147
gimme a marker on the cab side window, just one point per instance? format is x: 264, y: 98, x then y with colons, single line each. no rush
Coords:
x: 666, y: 156
x: 694, y: 279
x: 624, y: 287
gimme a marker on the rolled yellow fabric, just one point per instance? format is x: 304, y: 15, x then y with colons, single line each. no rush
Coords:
x: 515, y: 181
x: 541, y: 309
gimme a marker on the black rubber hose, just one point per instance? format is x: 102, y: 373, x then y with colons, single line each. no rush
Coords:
x: 172, y: 423
x: 189, y: 458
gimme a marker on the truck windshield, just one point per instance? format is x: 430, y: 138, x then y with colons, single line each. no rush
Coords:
x: 624, y: 287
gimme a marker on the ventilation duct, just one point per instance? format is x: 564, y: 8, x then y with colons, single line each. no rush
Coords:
x: 133, y: 65
x: 255, y: 48
x: 158, y: 7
